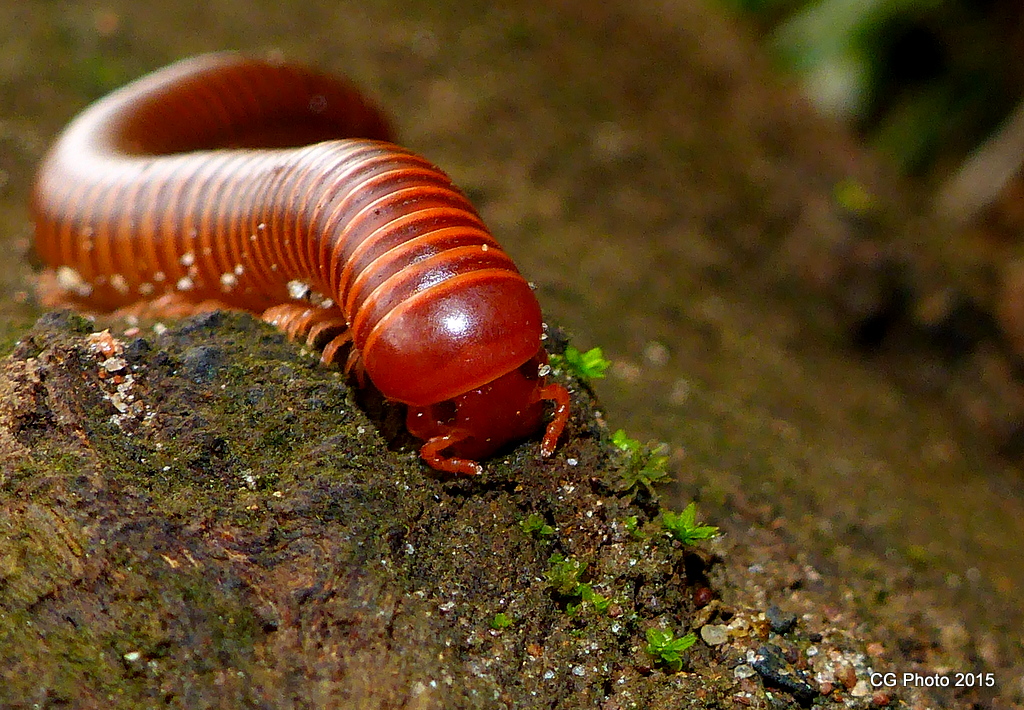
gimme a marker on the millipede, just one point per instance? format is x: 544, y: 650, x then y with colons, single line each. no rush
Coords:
x: 225, y: 181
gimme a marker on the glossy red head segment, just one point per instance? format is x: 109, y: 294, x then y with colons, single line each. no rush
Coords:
x: 472, y: 426
x: 465, y: 355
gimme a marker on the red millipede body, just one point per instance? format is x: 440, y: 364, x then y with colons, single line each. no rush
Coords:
x: 225, y: 181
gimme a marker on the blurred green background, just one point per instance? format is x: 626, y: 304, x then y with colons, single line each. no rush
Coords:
x: 924, y: 81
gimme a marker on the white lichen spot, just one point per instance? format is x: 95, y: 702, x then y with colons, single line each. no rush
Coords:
x: 185, y: 284
x: 273, y: 267
x: 239, y: 269
x: 187, y: 259
x: 261, y: 226
x: 228, y: 281
x: 327, y: 303
x: 252, y: 237
x: 70, y: 280
x: 120, y: 283
x: 159, y: 276
x: 484, y: 247
x: 146, y: 288
x: 299, y: 290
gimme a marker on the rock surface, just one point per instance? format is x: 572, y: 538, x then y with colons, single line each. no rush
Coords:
x: 206, y: 518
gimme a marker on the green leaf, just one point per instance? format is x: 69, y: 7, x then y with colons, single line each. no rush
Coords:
x: 564, y: 575
x: 598, y: 601
x: 623, y: 442
x: 501, y: 621
x: 683, y: 526
x: 657, y: 638
x: 665, y: 648
x: 535, y: 525
x: 633, y: 527
x: 644, y: 467
x: 590, y: 365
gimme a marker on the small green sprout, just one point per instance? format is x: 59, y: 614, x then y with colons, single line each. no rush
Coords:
x: 501, y: 621
x: 633, y: 527
x: 589, y: 596
x: 645, y: 466
x: 586, y: 366
x: 564, y: 578
x: 564, y: 575
x: 666, y: 649
x: 534, y: 525
x: 623, y: 442
x: 683, y: 526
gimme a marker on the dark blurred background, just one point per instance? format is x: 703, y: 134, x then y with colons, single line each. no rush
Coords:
x: 924, y: 81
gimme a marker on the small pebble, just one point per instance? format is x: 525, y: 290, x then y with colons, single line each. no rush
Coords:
x: 781, y: 622
x: 777, y: 672
x: 714, y: 634
x: 861, y: 689
x: 847, y: 676
x: 743, y: 671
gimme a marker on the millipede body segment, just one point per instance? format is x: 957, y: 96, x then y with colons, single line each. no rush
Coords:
x: 225, y: 181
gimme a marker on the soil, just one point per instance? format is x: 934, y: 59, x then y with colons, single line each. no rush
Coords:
x: 778, y: 312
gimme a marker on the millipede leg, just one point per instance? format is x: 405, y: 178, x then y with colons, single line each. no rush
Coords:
x: 354, y: 367
x: 560, y: 396
x: 319, y: 327
x: 332, y: 351
x: 431, y: 453
x: 326, y: 331
x: 170, y: 305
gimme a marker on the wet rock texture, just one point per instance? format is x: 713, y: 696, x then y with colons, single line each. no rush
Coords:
x: 205, y: 517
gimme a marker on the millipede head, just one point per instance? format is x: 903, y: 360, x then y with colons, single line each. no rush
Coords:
x: 476, y: 424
